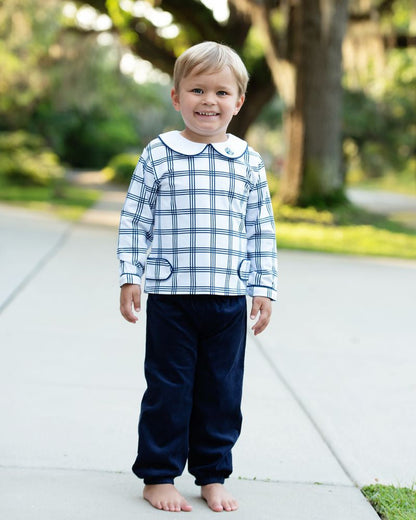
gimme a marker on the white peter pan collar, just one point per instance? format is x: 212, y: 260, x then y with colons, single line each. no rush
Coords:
x: 233, y: 148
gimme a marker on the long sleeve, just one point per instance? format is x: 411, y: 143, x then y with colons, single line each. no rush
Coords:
x: 261, y: 239
x: 136, y: 222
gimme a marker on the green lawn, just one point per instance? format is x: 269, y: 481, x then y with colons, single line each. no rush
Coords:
x: 344, y: 230
x: 66, y: 201
x: 405, y: 183
x: 392, y: 503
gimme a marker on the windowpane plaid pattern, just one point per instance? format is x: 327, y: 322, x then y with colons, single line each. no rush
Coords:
x: 198, y: 219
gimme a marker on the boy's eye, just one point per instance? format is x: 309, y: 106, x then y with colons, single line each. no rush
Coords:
x: 197, y: 90
x: 222, y: 93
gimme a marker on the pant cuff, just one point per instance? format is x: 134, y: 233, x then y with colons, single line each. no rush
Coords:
x: 153, y: 481
x: 209, y: 480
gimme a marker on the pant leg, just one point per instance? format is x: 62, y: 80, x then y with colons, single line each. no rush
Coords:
x: 216, y: 415
x: 171, y: 351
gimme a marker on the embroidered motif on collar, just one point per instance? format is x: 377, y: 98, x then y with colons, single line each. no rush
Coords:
x: 233, y: 148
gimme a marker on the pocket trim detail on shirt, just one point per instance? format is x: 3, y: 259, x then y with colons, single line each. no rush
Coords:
x: 244, y: 269
x: 158, y: 269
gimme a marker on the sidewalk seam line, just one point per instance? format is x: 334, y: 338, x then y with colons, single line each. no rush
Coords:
x: 123, y: 472
x: 50, y: 253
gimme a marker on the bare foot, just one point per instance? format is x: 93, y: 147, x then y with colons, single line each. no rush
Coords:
x: 165, y: 497
x: 218, y: 498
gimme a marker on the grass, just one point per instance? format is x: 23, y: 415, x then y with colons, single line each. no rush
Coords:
x: 343, y: 230
x: 404, y: 183
x: 392, y: 503
x: 64, y: 200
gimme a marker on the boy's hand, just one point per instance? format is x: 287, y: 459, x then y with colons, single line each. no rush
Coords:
x: 130, y: 296
x: 264, y: 305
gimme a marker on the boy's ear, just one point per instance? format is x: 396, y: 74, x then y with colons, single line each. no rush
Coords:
x: 239, y: 104
x: 175, y: 99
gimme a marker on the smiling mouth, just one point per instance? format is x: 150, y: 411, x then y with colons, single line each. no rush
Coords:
x: 209, y: 114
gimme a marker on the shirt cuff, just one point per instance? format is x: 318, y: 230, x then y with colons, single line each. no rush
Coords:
x: 268, y: 292
x: 130, y: 278
x: 130, y: 273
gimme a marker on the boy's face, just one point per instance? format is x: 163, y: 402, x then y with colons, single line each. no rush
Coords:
x: 207, y: 103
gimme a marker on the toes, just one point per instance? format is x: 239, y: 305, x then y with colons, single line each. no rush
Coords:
x: 216, y: 506
x: 218, y: 499
x: 165, y: 498
x: 176, y: 507
x: 229, y: 505
x: 158, y: 505
x: 226, y: 505
x: 185, y: 507
x: 167, y: 506
x: 233, y: 505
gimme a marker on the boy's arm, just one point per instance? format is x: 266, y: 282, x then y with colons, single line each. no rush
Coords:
x: 261, y: 241
x: 130, y: 298
x: 136, y: 222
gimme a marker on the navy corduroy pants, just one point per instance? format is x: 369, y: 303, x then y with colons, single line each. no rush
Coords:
x: 194, y: 364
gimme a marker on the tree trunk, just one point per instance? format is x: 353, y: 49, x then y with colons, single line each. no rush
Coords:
x: 261, y: 90
x: 294, y: 124
x: 313, y: 169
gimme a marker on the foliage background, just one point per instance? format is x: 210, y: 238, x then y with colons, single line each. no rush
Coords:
x: 70, y: 99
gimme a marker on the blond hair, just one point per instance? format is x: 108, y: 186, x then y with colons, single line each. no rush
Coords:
x: 210, y: 57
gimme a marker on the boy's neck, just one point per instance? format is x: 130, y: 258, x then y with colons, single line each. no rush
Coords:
x: 203, y: 138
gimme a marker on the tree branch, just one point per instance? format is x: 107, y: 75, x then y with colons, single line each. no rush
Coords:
x: 386, y: 6
x: 152, y: 47
x: 399, y: 41
x: 261, y: 90
x: 196, y: 15
x: 238, y: 26
x: 100, y: 5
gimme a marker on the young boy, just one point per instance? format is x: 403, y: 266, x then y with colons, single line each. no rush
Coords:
x: 198, y: 220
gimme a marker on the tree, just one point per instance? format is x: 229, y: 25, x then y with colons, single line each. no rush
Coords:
x: 26, y: 34
x: 292, y: 46
x: 380, y: 90
x: 303, y: 47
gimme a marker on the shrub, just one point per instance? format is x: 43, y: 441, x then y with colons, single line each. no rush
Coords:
x: 25, y: 160
x: 273, y: 182
x: 121, y: 167
x: 94, y: 139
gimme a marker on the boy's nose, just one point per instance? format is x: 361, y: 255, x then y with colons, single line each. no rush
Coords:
x: 209, y: 99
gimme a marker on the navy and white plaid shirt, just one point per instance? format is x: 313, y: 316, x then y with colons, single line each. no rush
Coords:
x: 198, y: 219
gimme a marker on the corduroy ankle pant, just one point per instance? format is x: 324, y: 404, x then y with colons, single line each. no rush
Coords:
x: 191, y: 409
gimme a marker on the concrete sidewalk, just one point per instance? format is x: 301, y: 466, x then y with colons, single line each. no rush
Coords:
x: 381, y: 201
x: 335, y: 363
x: 398, y: 206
